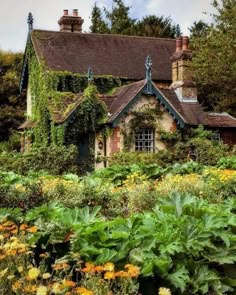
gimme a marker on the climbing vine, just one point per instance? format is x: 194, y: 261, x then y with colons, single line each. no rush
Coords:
x: 142, y: 118
x: 55, y: 93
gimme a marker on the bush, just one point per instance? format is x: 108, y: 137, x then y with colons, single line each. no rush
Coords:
x: 163, y: 158
x: 53, y: 159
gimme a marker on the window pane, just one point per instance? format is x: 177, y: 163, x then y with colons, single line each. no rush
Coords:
x: 144, y: 140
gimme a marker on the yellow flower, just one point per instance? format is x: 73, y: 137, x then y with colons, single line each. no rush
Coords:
x: 56, y: 288
x: 33, y: 273
x: 46, y: 275
x: 20, y: 269
x: 109, y: 266
x: 83, y: 291
x: 42, y: 290
x: 164, y: 291
x: 109, y: 275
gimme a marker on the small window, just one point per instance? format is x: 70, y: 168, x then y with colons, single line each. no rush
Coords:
x: 216, y: 136
x: 144, y: 140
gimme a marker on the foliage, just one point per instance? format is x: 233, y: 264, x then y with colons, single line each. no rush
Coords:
x: 11, y: 103
x: 12, y: 144
x: 154, y: 26
x: 53, y: 159
x: 162, y: 158
x: 142, y: 118
x: 92, y: 111
x: 185, y: 242
x: 20, y: 271
x: 214, y: 59
x: 118, y: 21
x: 198, y: 29
x: 227, y: 162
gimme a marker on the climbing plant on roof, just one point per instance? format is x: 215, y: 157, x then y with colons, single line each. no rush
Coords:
x: 89, y: 116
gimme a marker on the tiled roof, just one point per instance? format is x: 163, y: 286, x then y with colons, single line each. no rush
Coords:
x: 122, y: 97
x: 61, y: 114
x: 116, y: 55
x: 194, y: 114
x: 27, y: 124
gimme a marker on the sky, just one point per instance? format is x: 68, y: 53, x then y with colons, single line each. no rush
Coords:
x: 46, y: 13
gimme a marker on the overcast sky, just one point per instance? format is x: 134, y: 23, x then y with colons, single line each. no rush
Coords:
x: 13, y: 15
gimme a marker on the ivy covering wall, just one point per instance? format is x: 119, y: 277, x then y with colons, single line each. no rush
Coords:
x: 49, y: 91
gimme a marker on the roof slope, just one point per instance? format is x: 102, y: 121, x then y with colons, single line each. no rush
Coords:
x: 116, y: 55
x: 194, y: 114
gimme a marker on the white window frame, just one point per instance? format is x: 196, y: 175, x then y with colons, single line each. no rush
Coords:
x: 144, y: 140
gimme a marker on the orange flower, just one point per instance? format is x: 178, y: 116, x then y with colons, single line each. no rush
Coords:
x: 133, y: 270
x: 32, y: 229
x: 59, y: 266
x: 23, y: 226
x: 99, y: 268
x: 68, y: 283
x: 83, y: 291
x: 109, y: 275
x: 122, y: 274
x: 89, y: 267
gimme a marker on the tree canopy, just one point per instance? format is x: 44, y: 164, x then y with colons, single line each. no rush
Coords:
x: 118, y: 21
x: 214, y: 60
x: 12, y: 104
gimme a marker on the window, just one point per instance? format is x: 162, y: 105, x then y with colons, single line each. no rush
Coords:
x: 144, y: 140
x: 216, y: 136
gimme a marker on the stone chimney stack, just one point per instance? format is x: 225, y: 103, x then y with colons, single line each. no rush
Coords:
x: 70, y: 23
x: 182, y: 82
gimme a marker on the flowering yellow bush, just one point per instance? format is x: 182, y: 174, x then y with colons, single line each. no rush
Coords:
x: 182, y: 183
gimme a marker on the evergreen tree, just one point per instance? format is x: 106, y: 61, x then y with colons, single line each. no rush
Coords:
x: 118, y: 21
x: 98, y: 24
x: 153, y: 26
x: 198, y: 29
x: 214, y: 61
x: 118, y: 17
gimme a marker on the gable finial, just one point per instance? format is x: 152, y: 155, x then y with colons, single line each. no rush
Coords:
x: 148, y: 65
x: 90, y: 75
x: 30, y: 21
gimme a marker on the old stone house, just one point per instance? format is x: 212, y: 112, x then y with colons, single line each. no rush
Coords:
x: 154, y: 91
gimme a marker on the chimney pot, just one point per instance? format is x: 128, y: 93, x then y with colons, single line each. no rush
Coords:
x: 65, y: 11
x: 178, y: 44
x: 185, y: 43
x: 75, y: 12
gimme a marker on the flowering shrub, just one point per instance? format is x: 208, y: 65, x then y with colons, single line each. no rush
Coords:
x: 19, y: 272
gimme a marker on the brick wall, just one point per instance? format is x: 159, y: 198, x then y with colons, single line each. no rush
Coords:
x: 115, y: 141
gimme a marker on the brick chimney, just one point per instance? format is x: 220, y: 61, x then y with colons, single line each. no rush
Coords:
x: 182, y: 82
x: 71, y: 23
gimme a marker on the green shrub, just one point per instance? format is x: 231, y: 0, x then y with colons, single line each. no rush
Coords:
x: 53, y: 159
x: 227, y: 162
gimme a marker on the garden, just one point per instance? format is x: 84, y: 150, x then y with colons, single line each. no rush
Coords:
x: 126, y: 229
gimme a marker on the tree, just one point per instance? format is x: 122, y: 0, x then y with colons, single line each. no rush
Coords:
x: 214, y: 61
x: 198, y: 29
x: 98, y: 24
x: 154, y: 26
x: 118, y: 21
x: 12, y: 103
